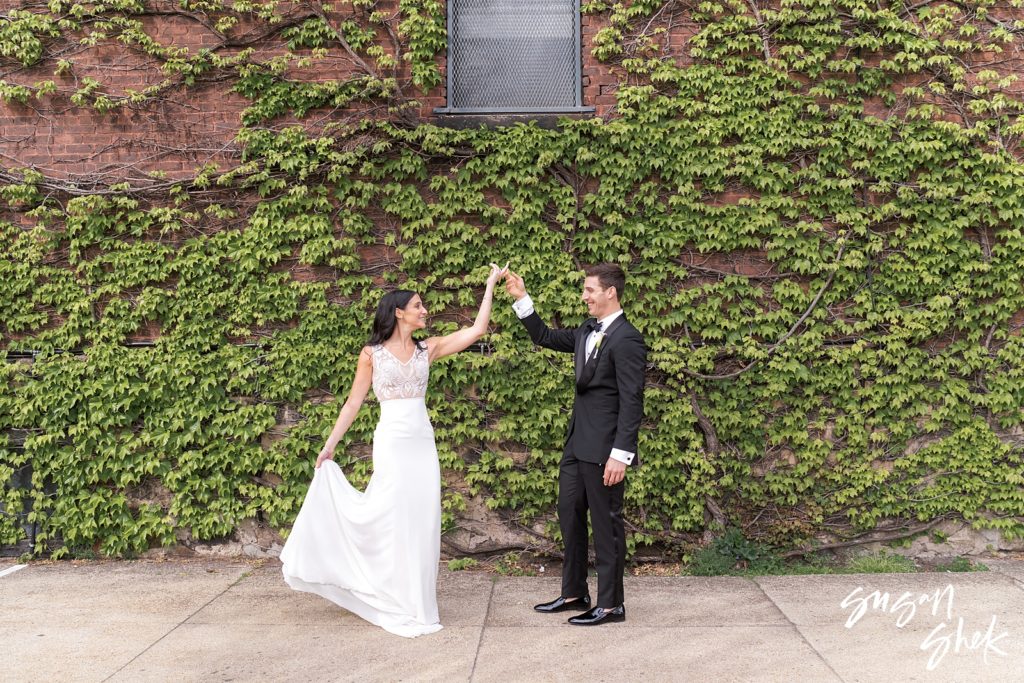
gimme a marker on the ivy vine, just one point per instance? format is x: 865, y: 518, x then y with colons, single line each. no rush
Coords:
x: 819, y: 204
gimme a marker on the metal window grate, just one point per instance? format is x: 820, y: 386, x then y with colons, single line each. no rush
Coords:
x: 513, y: 55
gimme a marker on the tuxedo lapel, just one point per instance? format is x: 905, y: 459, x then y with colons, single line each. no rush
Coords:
x: 616, y: 324
x: 581, y: 347
x: 585, y: 367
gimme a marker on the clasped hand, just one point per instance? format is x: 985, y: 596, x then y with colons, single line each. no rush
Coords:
x: 496, y: 274
x: 514, y: 284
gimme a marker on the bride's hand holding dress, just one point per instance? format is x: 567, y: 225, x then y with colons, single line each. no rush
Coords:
x: 376, y: 552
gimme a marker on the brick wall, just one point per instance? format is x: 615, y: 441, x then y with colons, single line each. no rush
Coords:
x: 188, y: 126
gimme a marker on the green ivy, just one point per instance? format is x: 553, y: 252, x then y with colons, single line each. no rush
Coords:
x: 819, y: 205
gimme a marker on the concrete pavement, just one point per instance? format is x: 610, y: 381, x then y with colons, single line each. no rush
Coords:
x: 233, y: 620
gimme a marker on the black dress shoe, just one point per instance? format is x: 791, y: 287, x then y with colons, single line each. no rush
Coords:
x: 599, y: 615
x: 562, y: 604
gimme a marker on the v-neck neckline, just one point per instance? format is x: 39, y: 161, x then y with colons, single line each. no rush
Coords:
x: 400, y: 361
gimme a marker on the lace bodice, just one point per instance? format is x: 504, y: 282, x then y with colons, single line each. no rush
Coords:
x: 394, y: 379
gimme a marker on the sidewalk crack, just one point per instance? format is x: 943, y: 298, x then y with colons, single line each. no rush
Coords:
x: 483, y: 627
x: 998, y: 569
x: 234, y: 583
x: 799, y: 632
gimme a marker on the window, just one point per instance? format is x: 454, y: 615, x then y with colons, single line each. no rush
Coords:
x: 513, y: 56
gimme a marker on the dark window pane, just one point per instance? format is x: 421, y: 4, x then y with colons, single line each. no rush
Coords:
x: 513, y: 54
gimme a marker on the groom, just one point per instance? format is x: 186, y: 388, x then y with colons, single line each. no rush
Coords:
x: 610, y: 357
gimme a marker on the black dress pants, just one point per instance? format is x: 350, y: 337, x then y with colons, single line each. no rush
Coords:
x: 581, y: 487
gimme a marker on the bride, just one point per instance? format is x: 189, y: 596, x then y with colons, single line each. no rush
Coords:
x: 376, y: 552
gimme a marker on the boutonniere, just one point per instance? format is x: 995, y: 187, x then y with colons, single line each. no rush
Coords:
x: 597, y: 342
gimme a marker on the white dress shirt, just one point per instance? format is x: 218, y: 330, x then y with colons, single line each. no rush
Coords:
x: 594, y: 335
x: 524, y: 307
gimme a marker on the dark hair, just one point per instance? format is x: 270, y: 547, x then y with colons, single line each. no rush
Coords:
x: 609, y: 275
x: 384, y: 321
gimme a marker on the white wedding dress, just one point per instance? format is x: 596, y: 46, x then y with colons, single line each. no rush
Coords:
x: 375, y: 553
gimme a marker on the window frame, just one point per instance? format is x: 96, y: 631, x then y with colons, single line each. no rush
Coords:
x: 575, y: 108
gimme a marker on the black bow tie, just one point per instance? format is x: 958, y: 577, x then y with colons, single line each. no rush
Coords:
x: 594, y: 326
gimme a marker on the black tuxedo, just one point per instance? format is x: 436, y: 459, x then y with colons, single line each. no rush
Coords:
x: 606, y: 414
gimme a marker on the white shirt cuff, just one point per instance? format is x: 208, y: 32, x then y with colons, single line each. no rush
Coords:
x: 622, y: 456
x: 523, y: 307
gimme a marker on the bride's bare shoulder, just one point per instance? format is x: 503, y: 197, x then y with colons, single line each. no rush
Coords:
x: 430, y: 344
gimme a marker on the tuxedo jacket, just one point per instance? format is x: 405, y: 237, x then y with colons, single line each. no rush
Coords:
x: 609, y: 403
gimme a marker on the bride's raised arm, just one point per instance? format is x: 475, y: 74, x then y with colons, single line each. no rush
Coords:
x: 457, y: 341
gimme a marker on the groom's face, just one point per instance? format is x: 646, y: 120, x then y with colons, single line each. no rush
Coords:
x: 599, y: 301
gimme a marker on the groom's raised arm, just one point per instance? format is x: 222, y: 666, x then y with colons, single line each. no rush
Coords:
x: 541, y: 334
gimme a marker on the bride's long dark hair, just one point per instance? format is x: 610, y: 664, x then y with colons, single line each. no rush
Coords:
x: 384, y: 321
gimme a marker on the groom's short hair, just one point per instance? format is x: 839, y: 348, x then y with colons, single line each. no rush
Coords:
x: 609, y: 275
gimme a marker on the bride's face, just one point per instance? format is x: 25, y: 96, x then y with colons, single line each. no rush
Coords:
x: 414, y: 313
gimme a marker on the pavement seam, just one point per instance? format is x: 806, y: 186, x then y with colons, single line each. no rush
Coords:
x: 483, y: 627
x: 798, y: 630
x: 1017, y: 582
x: 11, y: 570
x: 234, y: 583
